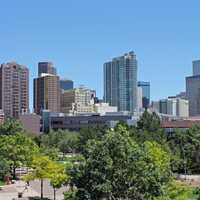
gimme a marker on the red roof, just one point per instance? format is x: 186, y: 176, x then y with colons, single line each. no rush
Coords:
x: 180, y: 124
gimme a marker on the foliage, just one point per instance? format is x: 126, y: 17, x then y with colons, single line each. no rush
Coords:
x: 65, y: 141
x: 175, y: 190
x: 11, y: 127
x: 148, y: 129
x: 116, y: 167
x: 44, y: 168
x: 149, y: 122
x: 52, y: 153
x: 4, y: 168
x: 18, y: 150
x: 87, y: 134
x: 186, y: 147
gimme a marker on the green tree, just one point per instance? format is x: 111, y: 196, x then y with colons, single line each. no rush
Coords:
x: 11, y: 127
x: 116, y: 167
x: 149, y: 122
x: 87, y: 134
x: 186, y: 146
x: 18, y: 150
x: 148, y: 129
x: 58, y: 177
x: 4, y: 168
x: 65, y: 141
x: 41, y: 169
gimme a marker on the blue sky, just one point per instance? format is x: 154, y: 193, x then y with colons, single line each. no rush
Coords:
x: 80, y: 35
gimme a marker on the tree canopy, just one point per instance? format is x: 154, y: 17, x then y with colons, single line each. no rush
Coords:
x: 116, y: 167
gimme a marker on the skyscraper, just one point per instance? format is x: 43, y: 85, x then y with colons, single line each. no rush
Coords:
x: 196, y: 67
x: 66, y: 84
x: 46, y: 67
x: 145, y: 93
x: 120, y: 82
x: 46, y: 93
x: 14, y: 89
x: 193, y: 90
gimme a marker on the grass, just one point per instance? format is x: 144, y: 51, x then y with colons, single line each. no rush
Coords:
x: 191, y: 195
x: 2, y: 183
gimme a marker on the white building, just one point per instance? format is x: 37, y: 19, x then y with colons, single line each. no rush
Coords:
x: 172, y: 106
x: 103, y: 108
x: 139, y: 98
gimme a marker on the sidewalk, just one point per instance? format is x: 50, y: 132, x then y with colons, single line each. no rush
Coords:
x: 10, y: 192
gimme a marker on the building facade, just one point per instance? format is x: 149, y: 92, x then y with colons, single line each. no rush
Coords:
x: 76, y: 101
x: 31, y: 123
x: 145, y: 93
x: 14, y: 89
x: 46, y: 93
x: 193, y: 94
x: 76, y: 123
x: 66, y: 84
x: 196, y: 67
x: 120, y: 82
x: 172, y: 106
x: 46, y: 67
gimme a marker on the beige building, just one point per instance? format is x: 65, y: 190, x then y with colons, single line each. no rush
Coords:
x: 76, y: 101
x: 103, y: 108
x: 47, y: 93
x: 14, y: 89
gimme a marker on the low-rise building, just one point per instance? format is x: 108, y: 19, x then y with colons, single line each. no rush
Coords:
x: 75, y: 123
x: 31, y: 123
x: 103, y: 108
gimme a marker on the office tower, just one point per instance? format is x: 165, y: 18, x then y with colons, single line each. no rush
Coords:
x: 66, y: 84
x: 145, y: 93
x: 120, y: 82
x: 196, y: 67
x: 78, y: 100
x: 46, y: 93
x: 182, y: 107
x: 163, y: 106
x: 139, y: 98
x: 46, y: 67
x: 193, y: 94
x: 14, y: 89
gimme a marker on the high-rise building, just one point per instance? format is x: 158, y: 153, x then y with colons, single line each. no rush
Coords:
x: 196, y: 67
x: 66, y: 84
x: 46, y: 67
x: 78, y: 100
x: 14, y: 89
x: 145, y: 93
x: 193, y: 94
x: 120, y: 82
x: 193, y: 90
x: 46, y: 93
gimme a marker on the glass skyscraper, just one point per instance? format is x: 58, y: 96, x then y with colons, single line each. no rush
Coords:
x: 145, y: 93
x: 120, y: 82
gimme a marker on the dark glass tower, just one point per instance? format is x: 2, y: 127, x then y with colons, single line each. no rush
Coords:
x: 145, y: 93
x: 46, y: 67
x: 66, y: 84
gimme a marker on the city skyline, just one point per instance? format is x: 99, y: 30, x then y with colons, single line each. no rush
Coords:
x: 163, y: 43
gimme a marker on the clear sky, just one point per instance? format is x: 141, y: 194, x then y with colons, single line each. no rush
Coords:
x: 80, y: 35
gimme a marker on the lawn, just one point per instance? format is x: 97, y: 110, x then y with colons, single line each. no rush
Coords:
x: 2, y: 183
x: 191, y: 195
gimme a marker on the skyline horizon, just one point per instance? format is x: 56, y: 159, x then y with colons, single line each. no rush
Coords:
x: 80, y: 84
